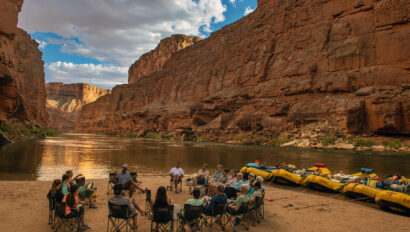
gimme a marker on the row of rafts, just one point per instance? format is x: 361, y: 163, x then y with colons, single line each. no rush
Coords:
x: 389, y: 194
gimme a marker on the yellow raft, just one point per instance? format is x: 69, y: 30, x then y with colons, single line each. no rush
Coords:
x: 281, y: 176
x: 323, y: 183
x: 360, y: 190
x: 257, y: 172
x: 393, y: 200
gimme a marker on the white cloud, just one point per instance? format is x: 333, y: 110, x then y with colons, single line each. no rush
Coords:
x: 118, y: 31
x: 105, y: 76
x: 248, y: 10
x: 41, y: 44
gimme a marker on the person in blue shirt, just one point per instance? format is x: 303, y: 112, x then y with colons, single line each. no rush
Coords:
x: 219, y: 198
x: 66, y: 184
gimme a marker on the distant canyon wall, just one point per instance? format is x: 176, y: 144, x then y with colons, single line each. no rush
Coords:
x: 65, y: 100
x: 287, y: 64
x: 22, y: 84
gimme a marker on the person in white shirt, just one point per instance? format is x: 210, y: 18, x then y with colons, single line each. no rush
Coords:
x: 202, y: 176
x: 176, y: 174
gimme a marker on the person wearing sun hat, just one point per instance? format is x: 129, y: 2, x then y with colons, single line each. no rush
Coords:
x: 124, y: 178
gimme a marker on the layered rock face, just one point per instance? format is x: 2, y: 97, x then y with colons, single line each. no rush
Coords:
x: 287, y: 64
x: 65, y: 100
x: 154, y: 60
x: 22, y: 85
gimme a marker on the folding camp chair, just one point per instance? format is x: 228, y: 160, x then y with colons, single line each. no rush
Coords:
x: 179, y: 183
x: 162, y: 219
x: 242, y: 215
x: 216, y: 216
x: 148, y: 200
x: 51, y: 211
x: 63, y: 222
x: 80, y: 181
x: 191, y: 217
x: 111, y: 182
x: 120, y: 218
x: 256, y: 210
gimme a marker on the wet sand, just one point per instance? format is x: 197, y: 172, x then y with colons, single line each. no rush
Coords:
x: 24, y: 207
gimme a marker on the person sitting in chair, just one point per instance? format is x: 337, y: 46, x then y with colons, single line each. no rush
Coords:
x: 72, y: 177
x: 119, y: 199
x: 55, y: 191
x: 219, y: 198
x: 176, y: 173
x: 195, y: 201
x: 73, y: 207
x: 201, y: 177
x: 242, y: 198
x: 65, y: 186
x: 234, y: 188
x: 161, y: 199
x: 124, y: 178
x: 256, y: 193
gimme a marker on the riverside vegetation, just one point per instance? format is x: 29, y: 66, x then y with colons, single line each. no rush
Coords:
x: 319, y: 135
x: 10, y: 132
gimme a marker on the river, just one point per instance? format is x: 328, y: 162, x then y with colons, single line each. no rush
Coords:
x: 95, y: 155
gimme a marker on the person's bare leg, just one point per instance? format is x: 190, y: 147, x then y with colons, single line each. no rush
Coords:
x: 134, y: 222
x: 175, y: 182
x: 143, y: 212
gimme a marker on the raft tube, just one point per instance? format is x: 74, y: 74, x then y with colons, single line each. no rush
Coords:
x: 322, y: 169
x: 281, y: 176
x: 393, y: 200
x: 264, y: 173
x: 323, y: 184
x: 355, y: 190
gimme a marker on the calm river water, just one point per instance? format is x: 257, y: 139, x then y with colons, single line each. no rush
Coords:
x: 96, y: 155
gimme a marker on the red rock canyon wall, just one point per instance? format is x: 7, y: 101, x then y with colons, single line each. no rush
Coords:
x: 65, y: 100
x: 287, y: 64
x: 22, y: 90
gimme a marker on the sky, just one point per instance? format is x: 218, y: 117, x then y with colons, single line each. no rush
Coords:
x: 95, y: 41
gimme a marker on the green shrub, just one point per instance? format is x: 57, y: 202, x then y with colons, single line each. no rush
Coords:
x: 13, y: 131
x: 168, y: 136
x: 327, y: 140
x: 152, y: 135
x: 361, y: 142
x: 202, y: 138
x: 279, y: 141
x: 394, y: 144
x: 240, y: 138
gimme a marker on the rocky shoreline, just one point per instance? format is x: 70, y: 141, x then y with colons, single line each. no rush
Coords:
x: 312, y: 136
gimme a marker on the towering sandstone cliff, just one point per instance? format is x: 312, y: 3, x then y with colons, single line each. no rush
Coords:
x: 287, y: 64
x: 65, y: 100
x: 154, y: 60
x: 22, y: 89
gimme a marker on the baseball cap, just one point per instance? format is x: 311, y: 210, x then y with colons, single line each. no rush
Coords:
x: 125, y: 166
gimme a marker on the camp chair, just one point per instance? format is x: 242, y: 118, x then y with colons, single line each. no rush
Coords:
x: 111, y: 183
x: 51, y: 211
x: 256, y: 210
x: 119, y: 217
x: 179, y: 183
x: 80, y: 181
x: 217, y: 216
x: 162, y: 219
x: 242, y: 215
x: 62, y: 221
x: 192, y: 218
x: 148, y: 200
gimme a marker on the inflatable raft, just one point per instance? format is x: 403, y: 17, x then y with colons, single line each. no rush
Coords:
x: 320, y: 169
x: 393, y: 200
x: 355, y: 190
x: 281, y: 176
x: 323, y: 184
x: 257, y: 170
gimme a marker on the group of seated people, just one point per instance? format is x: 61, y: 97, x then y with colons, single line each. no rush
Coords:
x: 227, y: 187
x: 65, y: 190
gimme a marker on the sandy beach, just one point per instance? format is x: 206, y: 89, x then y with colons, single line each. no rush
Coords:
x: 24, y: 207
